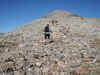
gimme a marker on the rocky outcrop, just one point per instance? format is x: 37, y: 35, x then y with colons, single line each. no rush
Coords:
x: 72, y: 50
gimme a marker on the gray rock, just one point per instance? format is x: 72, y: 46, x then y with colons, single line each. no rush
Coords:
x: 74, y: 42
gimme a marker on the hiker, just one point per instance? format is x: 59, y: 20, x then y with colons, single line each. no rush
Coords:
x: 47, y: 32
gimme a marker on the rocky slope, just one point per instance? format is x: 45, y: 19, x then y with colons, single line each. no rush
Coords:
x: 72, y: 50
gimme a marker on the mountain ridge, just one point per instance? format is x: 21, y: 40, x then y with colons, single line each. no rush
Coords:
x: 72, y: 48
x: 58, y: 12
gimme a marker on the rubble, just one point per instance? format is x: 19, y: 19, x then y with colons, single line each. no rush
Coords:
x: 72, y: 50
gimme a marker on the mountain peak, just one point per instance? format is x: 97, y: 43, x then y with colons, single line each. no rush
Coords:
x: 72, y: 48
x: 61, y: 11
x: 58, y: 12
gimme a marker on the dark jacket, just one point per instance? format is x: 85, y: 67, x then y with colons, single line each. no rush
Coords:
x: 46, y: 29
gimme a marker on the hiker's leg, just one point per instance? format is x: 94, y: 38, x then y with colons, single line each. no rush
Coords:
x: 48, y: 36
x: 45, y: 36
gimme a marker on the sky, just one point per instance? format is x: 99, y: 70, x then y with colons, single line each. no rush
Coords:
x: 15, y: 13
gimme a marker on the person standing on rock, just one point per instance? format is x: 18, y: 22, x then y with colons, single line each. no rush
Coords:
x: 47, y: 32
